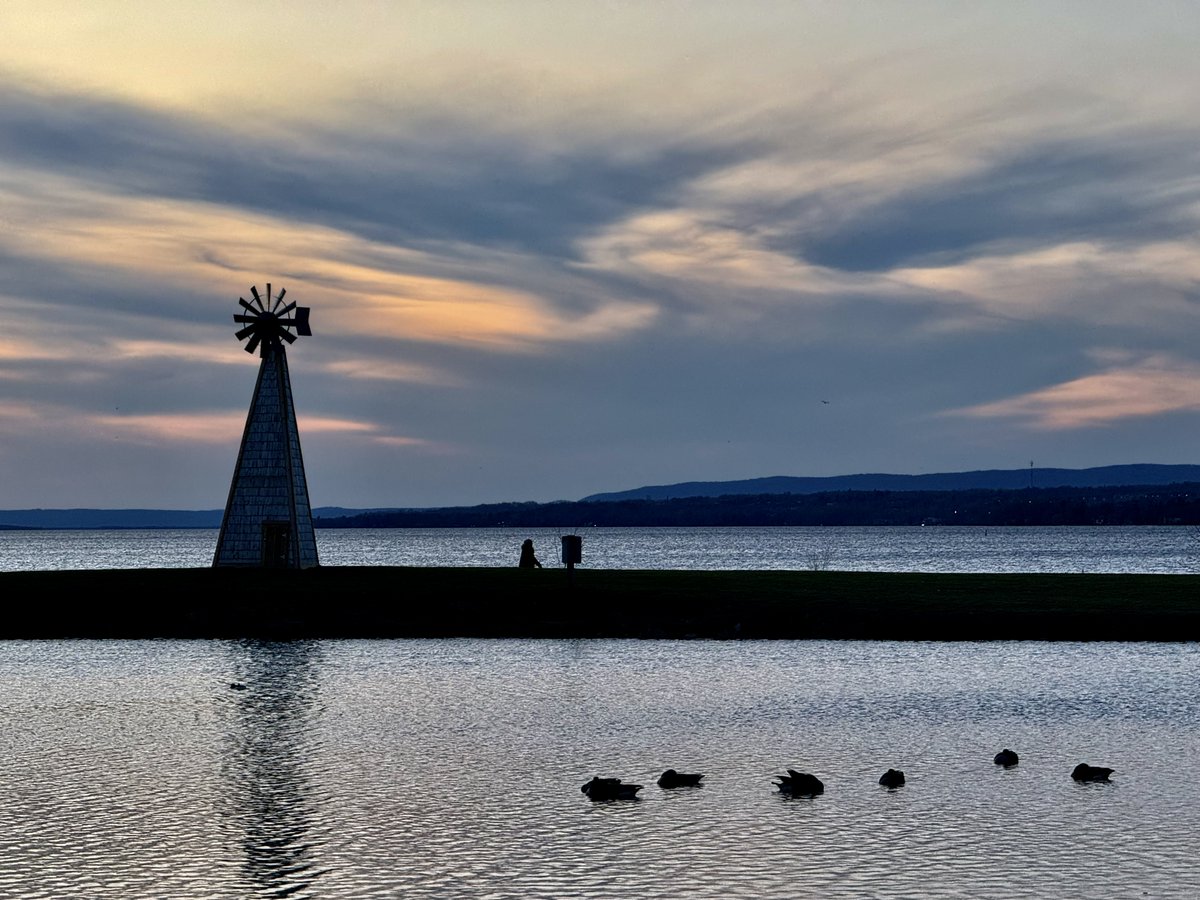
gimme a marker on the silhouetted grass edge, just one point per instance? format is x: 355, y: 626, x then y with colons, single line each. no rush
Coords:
x: 387, y: 601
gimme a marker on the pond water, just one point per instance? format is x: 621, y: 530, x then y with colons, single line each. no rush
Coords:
x: 451, y: 769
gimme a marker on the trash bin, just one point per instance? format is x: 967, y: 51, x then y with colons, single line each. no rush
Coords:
x: 572, y: 549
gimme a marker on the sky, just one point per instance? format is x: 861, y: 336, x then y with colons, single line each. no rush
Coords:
x: 559, y: 248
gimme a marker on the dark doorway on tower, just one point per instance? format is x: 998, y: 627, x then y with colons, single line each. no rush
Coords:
x: 276, y: 540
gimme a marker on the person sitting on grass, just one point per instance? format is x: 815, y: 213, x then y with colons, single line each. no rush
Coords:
x: 528, y: 560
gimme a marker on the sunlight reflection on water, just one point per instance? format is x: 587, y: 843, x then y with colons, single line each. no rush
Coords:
x: 917, y: 549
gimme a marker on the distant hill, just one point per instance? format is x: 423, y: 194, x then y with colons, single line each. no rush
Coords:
x: 1109, y: 495
x: 987, y: 479
x: 1171, y: 504
x: 913, y: 493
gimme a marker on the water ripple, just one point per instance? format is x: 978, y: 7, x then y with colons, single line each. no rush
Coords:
x: 451, y: 769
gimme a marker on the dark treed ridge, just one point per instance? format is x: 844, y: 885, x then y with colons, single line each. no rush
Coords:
x: 980, y: 479
x: 1174, y: 504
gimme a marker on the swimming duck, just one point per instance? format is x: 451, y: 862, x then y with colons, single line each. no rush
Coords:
x: 1084, y: 772
x: 892, y: 778
x: 673, y: 779
x: 1006, y: 758
x: 610, y: 789
x: 799, y: 784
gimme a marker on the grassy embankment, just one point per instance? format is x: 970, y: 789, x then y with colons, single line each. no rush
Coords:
x: 377, y: 601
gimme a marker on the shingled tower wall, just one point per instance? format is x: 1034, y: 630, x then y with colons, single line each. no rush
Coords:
x: 268, y: 520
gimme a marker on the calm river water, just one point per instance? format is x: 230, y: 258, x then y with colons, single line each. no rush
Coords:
x: 451, y: 769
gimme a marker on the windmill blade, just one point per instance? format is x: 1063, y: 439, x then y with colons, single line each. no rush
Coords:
x: 301, y: 320
x: 268, y: 321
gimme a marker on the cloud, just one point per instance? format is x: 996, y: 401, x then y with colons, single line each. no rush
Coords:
x: 1143, y: 288
x: 17, y: 350
x: 324, y: 424
x: 1154, y: 386
x: 461, y: 180
x: 391, y: 370
x: 171, y: 428
x: 17, y: 412
x: 207, y: 428
x: 218, y: 353
x: 1108, y: 187
x: 546, y: 253
x: 399, y: 441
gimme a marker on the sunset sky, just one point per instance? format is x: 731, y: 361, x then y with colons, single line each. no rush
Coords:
x: 558, y: 248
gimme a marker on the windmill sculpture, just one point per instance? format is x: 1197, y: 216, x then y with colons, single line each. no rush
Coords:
x: 268, y: 520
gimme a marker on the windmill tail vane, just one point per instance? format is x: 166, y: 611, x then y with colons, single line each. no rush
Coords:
x: 269, y: 320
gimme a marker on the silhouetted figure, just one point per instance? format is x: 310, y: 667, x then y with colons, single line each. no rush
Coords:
x: 1006, y: 758
x: 610, y: 789
x: 799, y: 784
x: 528, y: 560
x: 892, y: 778
x: 673, y: 779
x: 1084, y: 772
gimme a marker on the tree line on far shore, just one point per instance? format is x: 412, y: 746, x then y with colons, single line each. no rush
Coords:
x: 1175, y: 504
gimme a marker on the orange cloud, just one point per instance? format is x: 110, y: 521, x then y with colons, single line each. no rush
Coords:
x: 326, y: 425
x: 19, y: 412
x: 208, y: 428
x: 1155, y: 386
x: 16, y: 350
x: 387, y: 370
x: 180, y: 242
x: 189, y: 428
x: 399, y: 441
x: 212, y: 352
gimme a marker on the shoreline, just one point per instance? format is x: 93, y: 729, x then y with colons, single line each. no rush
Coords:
x: 446, y: 602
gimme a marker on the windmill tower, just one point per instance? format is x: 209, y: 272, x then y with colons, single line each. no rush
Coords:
x: 268, y: 520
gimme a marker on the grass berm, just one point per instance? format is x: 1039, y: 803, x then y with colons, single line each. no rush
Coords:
x: 446, y: 602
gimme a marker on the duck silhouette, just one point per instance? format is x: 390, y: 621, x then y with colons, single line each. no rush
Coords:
x: 1006, y: 758
x: 799, y: 784
x: 1084, y: 772
x: 892, y: 778
x: 610, y: 789
x: 673, y: 779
